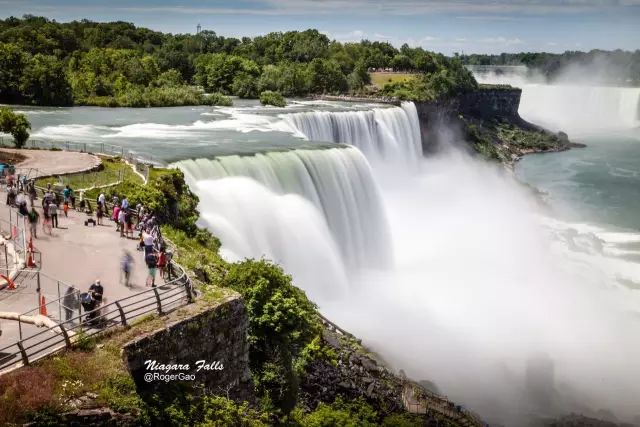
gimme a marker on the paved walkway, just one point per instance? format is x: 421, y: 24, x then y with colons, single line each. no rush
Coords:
x: 76, y: 255
x: 54, y: 162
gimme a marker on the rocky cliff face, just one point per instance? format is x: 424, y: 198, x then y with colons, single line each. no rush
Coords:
x: 215, y: 336
x: 485, y: 121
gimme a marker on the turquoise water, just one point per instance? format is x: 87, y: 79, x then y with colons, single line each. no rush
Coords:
x: 597, y: 184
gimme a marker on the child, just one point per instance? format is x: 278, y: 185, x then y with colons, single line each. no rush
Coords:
x: 162, y: 262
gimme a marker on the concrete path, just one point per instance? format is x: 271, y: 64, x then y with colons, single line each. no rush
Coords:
x: 76, y: 255
x: 54, y: 162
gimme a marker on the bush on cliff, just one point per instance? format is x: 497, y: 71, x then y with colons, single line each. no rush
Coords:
x: 282, y: 321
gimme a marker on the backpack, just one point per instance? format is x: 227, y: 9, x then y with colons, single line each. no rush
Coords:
x: 150, y: 259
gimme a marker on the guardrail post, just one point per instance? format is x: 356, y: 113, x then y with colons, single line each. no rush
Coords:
x: 20, y: 327
x: 25, y: 359
x: 123, y: 318
x: 66, y: 335
x: 155, y: 290
x: 187, y: 288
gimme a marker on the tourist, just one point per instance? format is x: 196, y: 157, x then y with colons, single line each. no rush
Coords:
x: 70, y: 302
x: 99, y: 213
x: 66, y: 193
x: 53, y: 213
x: 148, y: 243
x: 102, y: 200
x: 128, y: 219
x: 125, y: 203
x: 127, y: 261
x: 32, y: 192
x: 114, y: 216
x: 96, y: 291
x: 162, y: 261
x: 11, y: 196
x: 121, y: 221
x: 33, y: 222
x: 72, y: 198
x: 115, y: 199
x: 152, y: 262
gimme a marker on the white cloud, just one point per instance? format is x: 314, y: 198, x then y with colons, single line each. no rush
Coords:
x: 501, y: 41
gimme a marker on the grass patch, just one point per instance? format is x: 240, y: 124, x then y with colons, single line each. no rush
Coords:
x: 381, y: 79
x: 112, y: 170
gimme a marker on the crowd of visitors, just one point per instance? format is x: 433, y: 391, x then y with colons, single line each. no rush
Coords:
x: 128, y: 220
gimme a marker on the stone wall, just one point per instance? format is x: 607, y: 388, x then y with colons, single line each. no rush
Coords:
x: 216, y: 334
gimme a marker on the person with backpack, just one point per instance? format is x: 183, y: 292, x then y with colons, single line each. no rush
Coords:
x: 152, y: 262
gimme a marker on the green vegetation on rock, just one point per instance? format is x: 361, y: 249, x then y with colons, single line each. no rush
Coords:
x: 272, y: 98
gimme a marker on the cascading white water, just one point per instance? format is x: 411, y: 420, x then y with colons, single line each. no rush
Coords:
x: 382, y: 134
x: 475, y: 291
x: 573, y: 107
x: 336, y: 181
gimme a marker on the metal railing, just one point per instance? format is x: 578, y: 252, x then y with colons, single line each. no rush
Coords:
x: 65, y: 334
x: 141, y: 164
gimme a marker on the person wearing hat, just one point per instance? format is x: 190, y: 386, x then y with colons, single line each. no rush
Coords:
x: 96, y: 291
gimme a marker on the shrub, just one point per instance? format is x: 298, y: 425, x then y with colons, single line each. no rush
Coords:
x: 217, y: 98
x: 15, y: 124
x: 282, y: 321
x: 269, y: 97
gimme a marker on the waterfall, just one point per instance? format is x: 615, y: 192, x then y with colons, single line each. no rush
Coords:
x: 384, y: 135
x: 333, y: 188
x: 573, y: 107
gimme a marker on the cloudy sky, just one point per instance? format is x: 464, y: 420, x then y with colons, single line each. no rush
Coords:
x: 470, y: 26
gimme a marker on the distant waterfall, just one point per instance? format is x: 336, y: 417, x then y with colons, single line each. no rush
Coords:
x: 389, y: 135
x: 337, y: 183
x: 572, y: 107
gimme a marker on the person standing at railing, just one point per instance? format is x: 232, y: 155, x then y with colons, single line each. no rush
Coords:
x: 152, y: 263
x: 70, y: 302
x: 122, y: 216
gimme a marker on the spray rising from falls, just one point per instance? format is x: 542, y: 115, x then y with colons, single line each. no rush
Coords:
x: 571, y: 107
x: 330, y: 191
x: 390, y: 135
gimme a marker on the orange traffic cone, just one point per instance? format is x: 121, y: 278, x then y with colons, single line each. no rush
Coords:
x: 30, y: 262
x: 43, y: 306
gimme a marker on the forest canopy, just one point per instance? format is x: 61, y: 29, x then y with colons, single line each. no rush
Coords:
x: 612, y: 67
x: 44, y: 62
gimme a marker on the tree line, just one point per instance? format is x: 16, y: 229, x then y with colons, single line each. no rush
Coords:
x: 617, y: 66
x: 44, y: 62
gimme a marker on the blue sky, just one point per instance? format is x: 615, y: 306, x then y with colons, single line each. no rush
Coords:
x: 472, y: 26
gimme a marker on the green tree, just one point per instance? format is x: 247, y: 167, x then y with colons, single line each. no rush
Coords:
x: 282, y: 321
x: 44, y: 82
x: 359, y: 77
x: 15, y: 124
x: 326, y: 77
x: 12, y: 61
